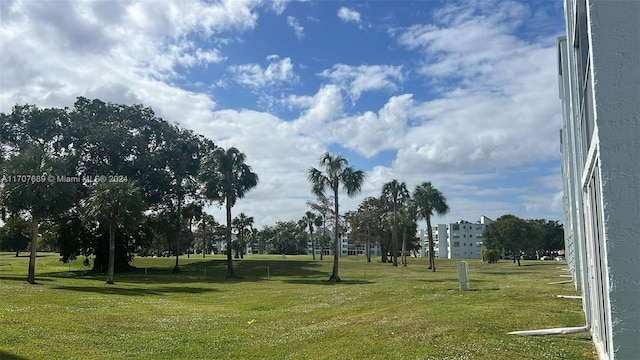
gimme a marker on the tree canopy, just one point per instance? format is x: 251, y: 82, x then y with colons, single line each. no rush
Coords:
x: 517, y: 236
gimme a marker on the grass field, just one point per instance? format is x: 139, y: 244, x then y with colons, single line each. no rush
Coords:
x: 285, y: 309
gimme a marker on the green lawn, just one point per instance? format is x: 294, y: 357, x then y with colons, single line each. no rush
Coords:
x: 285, y: 309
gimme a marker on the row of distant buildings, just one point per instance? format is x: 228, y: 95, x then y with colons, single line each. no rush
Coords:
x: 459, y: 240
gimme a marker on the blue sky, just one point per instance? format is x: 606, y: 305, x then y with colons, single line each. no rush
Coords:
x: 459, y: 93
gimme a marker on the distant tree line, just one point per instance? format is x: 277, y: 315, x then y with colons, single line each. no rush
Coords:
x: 518, y: 237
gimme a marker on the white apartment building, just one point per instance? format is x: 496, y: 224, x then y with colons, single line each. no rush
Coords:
x: 599, y: 80
x: 459, y: 240
x: 347, y: 247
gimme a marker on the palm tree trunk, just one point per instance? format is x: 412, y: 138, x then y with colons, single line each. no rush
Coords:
x: 368, y: 245
x: 324, y: 234
x: 31, y: 277
x: 432, y: 260
x: 204, y: 238
x: 230, y: 273
x: 394, y: 236
x: 404, y: 246
x: 313, y: 244
x: 336, y: 249
x: 176, y: 268
x: 112, y: 252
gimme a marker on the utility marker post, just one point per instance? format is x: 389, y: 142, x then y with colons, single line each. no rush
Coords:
x: 463, y: 276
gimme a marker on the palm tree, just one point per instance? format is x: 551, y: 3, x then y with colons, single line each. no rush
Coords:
x: 429, y: 201
x: 396, y: 194
x: 241, y: 223
x: 226, y: 178
x: 309, y: 219
x: 336, y: 172
x: 115, y: 205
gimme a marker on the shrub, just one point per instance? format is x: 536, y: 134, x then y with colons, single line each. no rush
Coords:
x: 490, y: 256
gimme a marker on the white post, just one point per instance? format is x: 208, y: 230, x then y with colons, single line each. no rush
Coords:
x: 463, y: 276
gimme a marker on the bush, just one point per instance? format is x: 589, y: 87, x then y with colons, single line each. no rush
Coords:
x: 490, y: 256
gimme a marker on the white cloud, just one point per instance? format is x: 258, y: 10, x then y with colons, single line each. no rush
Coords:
x: 348, y: 15
x: 370, y: 133
x: 295, y: 25
x: 358, y: 79
x: 318, y: 111
x: 497, y: 102
x: 278, y: 6
x: 253, y: 75
x: 63, y: 49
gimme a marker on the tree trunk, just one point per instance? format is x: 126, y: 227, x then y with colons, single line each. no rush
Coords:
x: 112, y: 252
x: 190, y: 235
x: 368, y: 245
x: 404, y: 246
x: 383, y: 249
x: 242, y: 245
x: 313, y: 244
x: 230, y: 273
x: 204, y: 238
x: 176, y: 268
x: 336, y: 249
x: 31, y: 277
x: 394, y: 236
x: 324, y: 235
x: 432, y: 259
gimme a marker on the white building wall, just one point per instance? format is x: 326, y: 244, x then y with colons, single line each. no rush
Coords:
x: 600, y: 90
x: 459, y: 240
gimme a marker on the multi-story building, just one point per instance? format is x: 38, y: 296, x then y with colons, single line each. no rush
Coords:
x: 599, y: 79
x: 459, y: 240
x: 347, y: 247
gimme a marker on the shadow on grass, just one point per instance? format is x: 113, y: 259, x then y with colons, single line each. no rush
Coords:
x: 114, y: 290
x: 23, y: 279
x: 9, y: 356
x: 326, y: 282
x: 444, y: 280
x: 210, y: 271
x: 474, y: 289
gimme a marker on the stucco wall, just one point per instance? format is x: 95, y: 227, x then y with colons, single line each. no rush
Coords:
x: 615, y: 39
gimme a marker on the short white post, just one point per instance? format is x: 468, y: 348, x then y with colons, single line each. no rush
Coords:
x: 463, y: 276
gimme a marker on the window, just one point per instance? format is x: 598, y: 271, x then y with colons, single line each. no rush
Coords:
x: 456, y: 244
